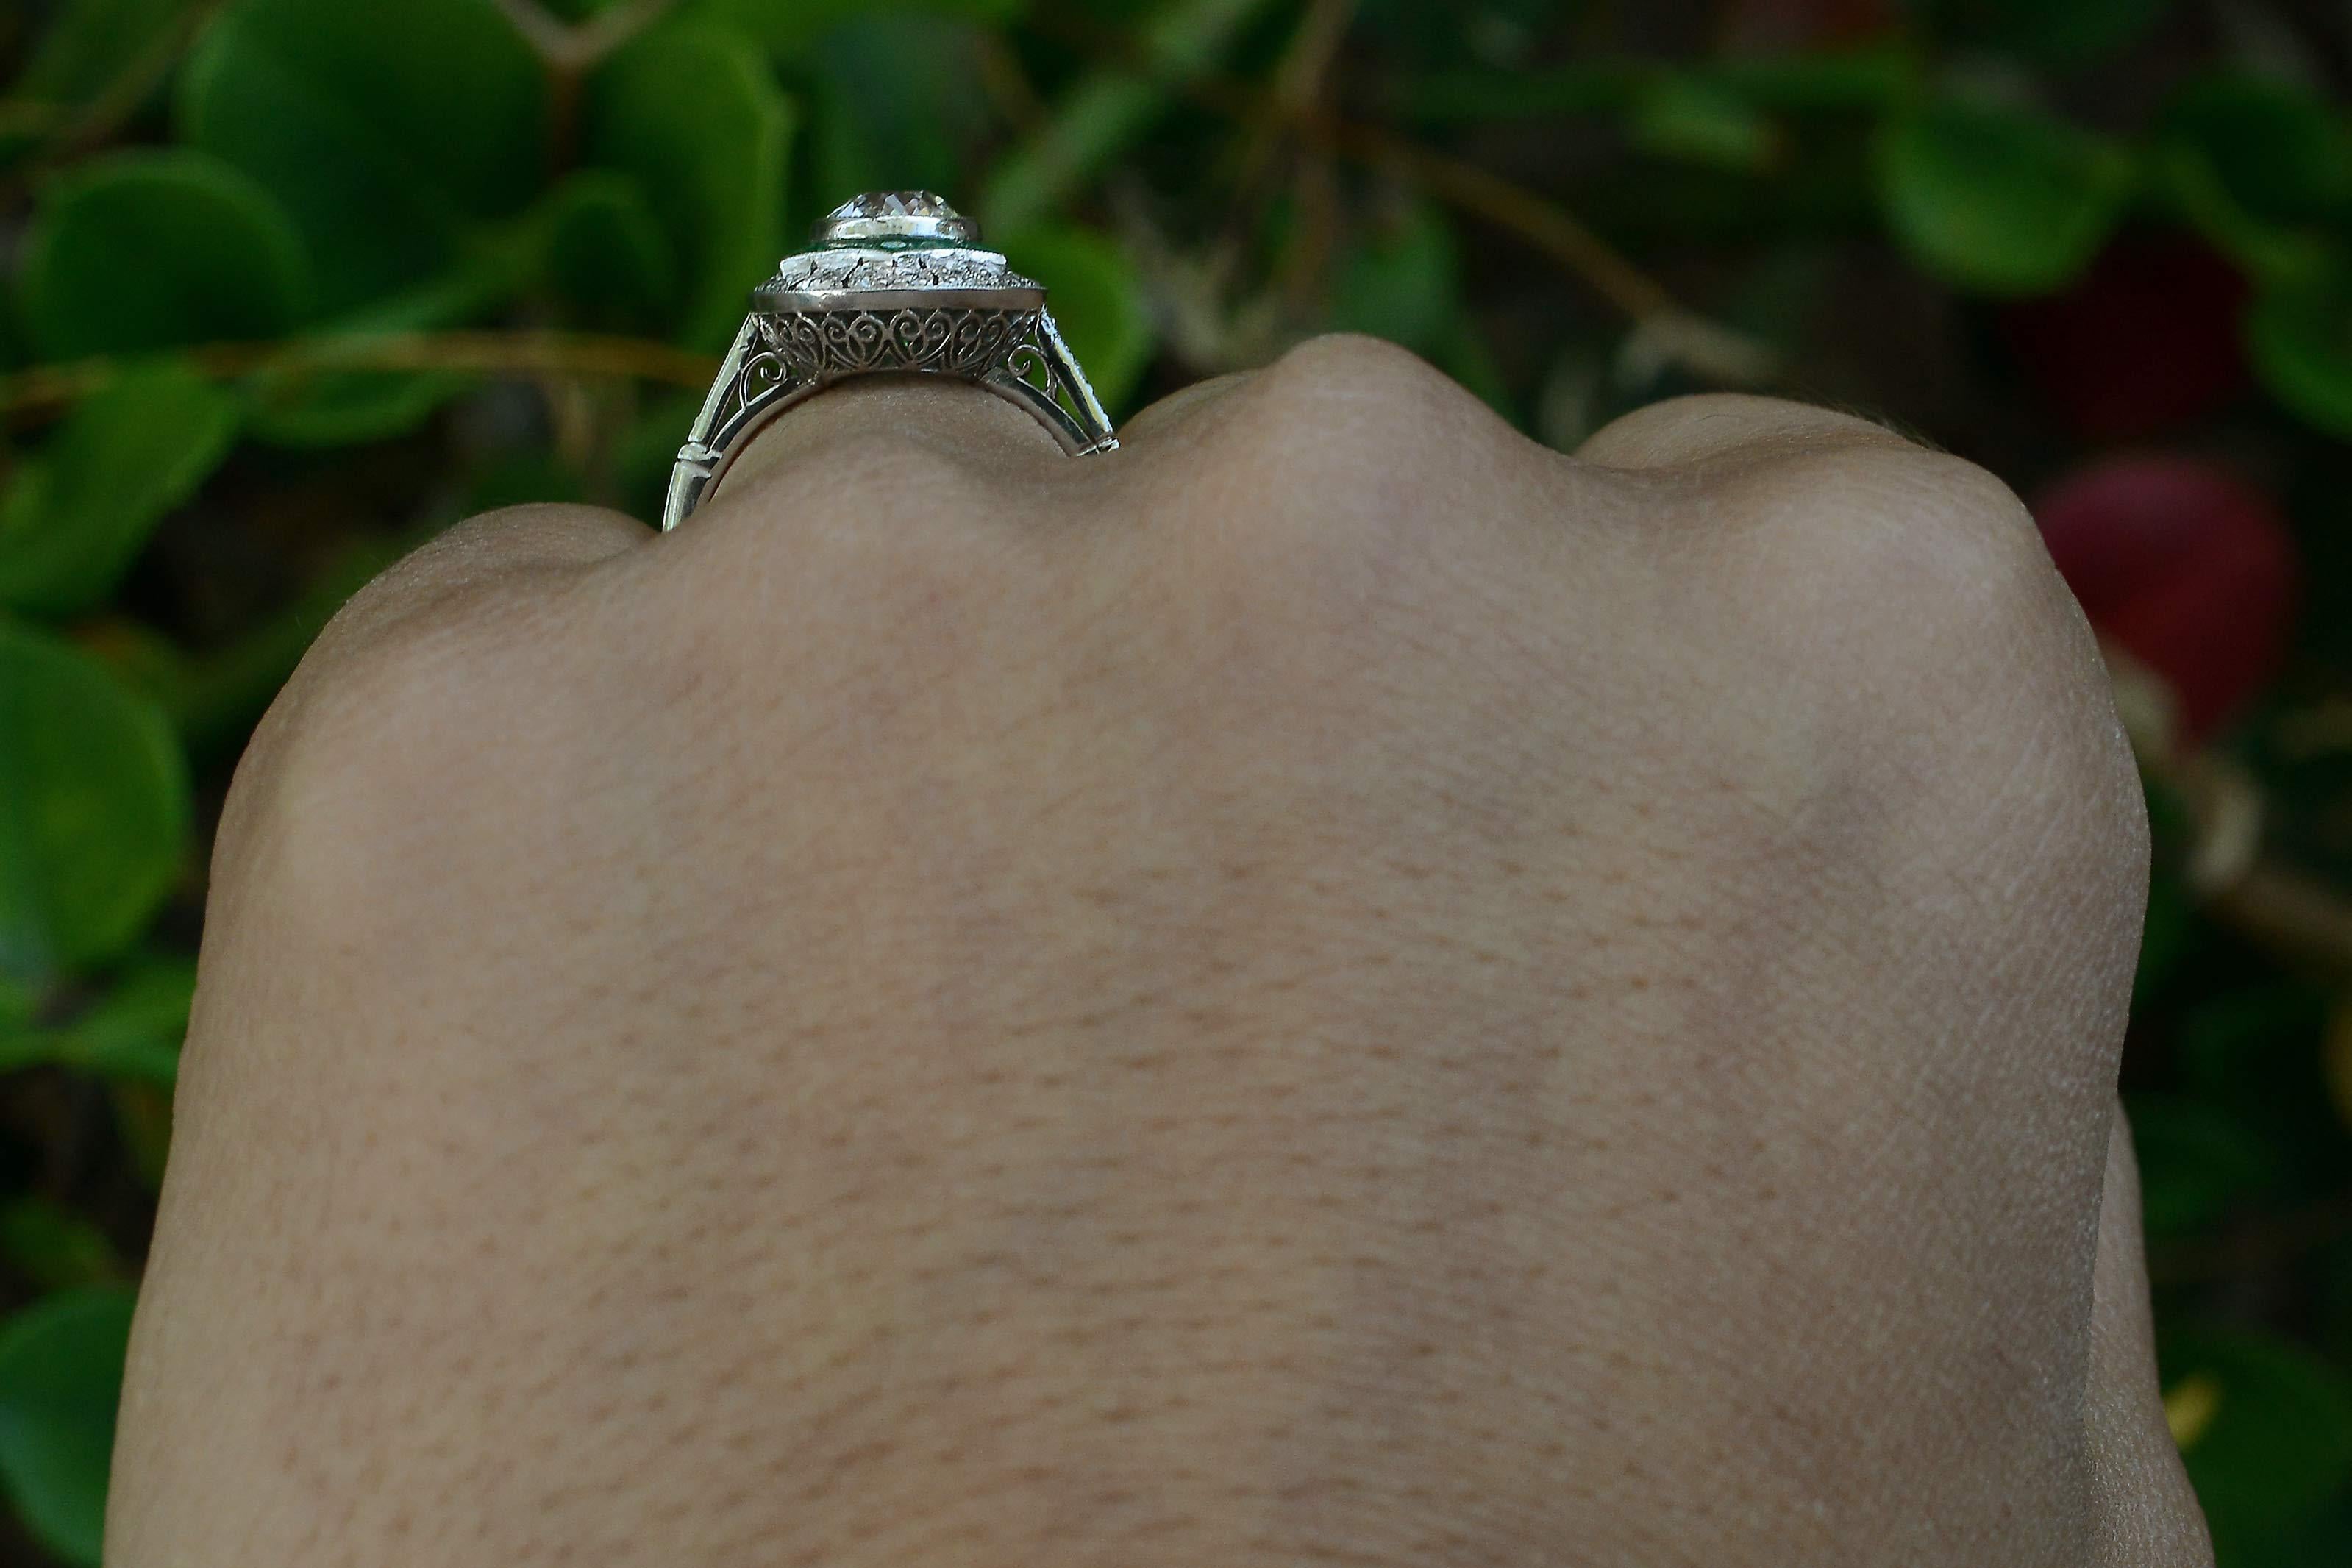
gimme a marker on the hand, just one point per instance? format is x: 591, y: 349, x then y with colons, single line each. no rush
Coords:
x: 1330, y: 986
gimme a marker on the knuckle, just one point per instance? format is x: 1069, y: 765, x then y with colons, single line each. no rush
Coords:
x: 395, y: 736
x: 1931, y: 558
x: 1349, y: 366
x: 1360, y: 404
x: 1330, y: 469
x: 1698, y: 428
x: 1912, y: 590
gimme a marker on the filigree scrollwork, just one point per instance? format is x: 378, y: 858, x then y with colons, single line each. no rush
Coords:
x: 760, y: 372
x: 1035, y: 367
x: 952, y: 339
x: 758, y: 375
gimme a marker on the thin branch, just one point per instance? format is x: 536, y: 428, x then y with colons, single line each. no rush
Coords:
x: 608, y: 30
x: 490, y: 353
x: 569, y: 50
x: 1674, y: 332
x: 543, y: 30
x: 2288, y: 910
x: 2277, y: 906
x: 1006, y: 81
x: 73, y: 132
x: 1299, y: 85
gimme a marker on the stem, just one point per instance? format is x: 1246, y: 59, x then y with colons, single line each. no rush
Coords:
x: 1299, y: 80
x: 1108, y: 111
x: 1680, y: 334
x: 2277, y: 906
x: 493, y: 352
x: 1676, y: 332
x: 571, y: 51
x: 1861, y: 80
x: 70, y: 133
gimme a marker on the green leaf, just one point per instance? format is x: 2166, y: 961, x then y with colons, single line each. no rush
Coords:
x: 1404, y: 285
x: 789, y: 29
x: 343, y: 408
x: 135, y: 1030
x: 2052, y: 32
x: 2255, y: 165
x: 2197, y: 1162
x: 54, y: 1247
x: 155, y: 247
x: 89, y: 44
x: 1999, y: 200
x: 2279, y: 1447
x: 1866, y: 77
x: 647, y: 447
x: 94, y: 807
x: 296, y: 404
x: 694, y: 113
x: 896, y: 105
x: 90, y: 49
x: 60, y: 1381
x: 141, y: 658
x: 388, y: 130
x: 75, y: 514
x: 2282, y: 153
x: 2299, y: 339
x: 1107, y: 112
x: 607, y: 256
x: 19, y: 1000
x: 1684, y: 118
x: 1097, y: 302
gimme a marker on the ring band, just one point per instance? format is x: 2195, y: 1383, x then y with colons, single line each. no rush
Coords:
x: 896, y: 284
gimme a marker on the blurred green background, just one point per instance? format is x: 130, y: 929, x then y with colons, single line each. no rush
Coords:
x: 291, y: 285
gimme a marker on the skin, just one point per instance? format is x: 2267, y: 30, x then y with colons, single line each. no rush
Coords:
x: 1332, y: 986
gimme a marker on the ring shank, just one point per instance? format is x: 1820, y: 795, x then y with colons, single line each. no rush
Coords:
x: 795, y: 354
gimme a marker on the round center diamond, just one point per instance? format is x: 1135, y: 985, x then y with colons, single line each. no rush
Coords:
x: 890, y: 218
x: 894, y: 204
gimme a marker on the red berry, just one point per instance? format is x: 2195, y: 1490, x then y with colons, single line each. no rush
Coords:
x: 2186, y: 566
x: 2147, y: 341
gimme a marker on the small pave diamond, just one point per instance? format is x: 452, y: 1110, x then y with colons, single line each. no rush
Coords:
x: 854, y: 267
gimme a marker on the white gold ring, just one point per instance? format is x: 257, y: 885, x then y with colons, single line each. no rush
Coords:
x: 896, y: 284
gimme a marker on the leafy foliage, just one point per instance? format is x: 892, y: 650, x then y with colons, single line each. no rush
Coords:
x: 1997, y: 200
x: 297, y: 284
x: 156, y: 249
x: 60, y: 1378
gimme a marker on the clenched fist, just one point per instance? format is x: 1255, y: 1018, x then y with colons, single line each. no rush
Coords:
x: 1331, y: 986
